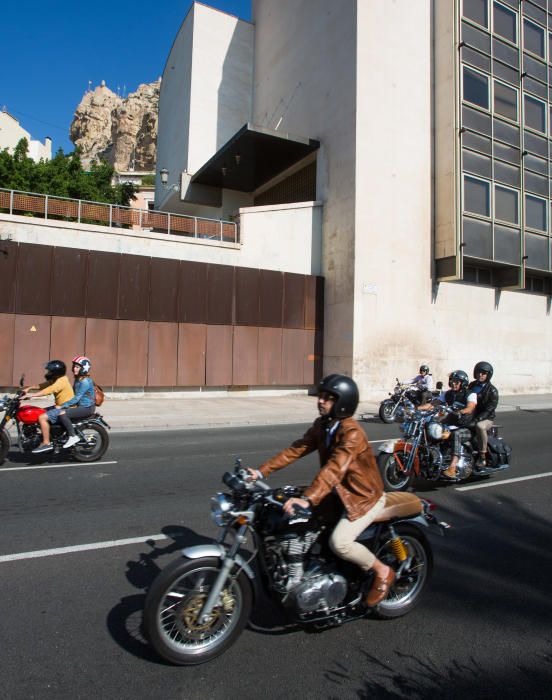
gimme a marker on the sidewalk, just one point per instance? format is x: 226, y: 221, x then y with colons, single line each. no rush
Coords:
x: 232, y: 411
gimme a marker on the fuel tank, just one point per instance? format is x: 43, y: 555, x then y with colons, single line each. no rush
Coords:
x: 29, y: 414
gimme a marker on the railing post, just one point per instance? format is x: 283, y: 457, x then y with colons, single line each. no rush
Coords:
x: 11, y: 203
x: 110, y: 215
x: 79, y: 211
x: 195, y: 226
x: 46, y: 207
x: 168, y: 224
x: 221, y: 230
x: 140, y: 218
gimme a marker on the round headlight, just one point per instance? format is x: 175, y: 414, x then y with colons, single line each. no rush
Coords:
x: 220, y: 507
x: 435, y: 431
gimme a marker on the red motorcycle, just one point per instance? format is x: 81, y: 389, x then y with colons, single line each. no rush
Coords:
x: 94, y: 438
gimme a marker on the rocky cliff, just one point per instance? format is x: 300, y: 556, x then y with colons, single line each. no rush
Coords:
x: 122, y: 131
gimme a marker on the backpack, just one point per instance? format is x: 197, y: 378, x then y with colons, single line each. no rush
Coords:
x: 99, y: 394
x: 499, y: 452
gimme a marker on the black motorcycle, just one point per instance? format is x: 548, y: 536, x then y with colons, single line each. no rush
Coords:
x: 198, y: 606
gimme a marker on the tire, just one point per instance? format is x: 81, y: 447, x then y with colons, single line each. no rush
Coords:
x: 386, y: 411
x: 170, y: 626
x: 4, y: 446
x: 394, y: 478
x: 408, y: 587
x: 96, y: 442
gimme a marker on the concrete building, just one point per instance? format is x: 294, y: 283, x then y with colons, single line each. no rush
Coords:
x: 11, y: 133
x: 419, y: 132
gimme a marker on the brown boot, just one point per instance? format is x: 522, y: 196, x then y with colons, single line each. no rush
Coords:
x: 380, y: 589
x: 450, y: 472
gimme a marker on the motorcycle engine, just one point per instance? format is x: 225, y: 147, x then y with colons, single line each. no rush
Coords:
x: 318, y: 591
x: 30, y: 437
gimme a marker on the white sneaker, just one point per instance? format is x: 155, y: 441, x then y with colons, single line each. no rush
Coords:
x: 72, y: 440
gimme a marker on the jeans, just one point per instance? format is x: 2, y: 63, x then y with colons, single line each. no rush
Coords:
x: 75, y: 413
x: 342, y: 540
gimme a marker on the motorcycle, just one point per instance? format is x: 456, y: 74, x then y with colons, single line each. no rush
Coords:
x: 404, y: 397
x: 425, y: 451
x: 197, y: 606
x: 94, y: 438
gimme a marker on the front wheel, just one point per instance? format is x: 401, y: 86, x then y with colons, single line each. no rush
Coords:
x: 387, y: 411
x: 93, y: 443
x: 173, y: 606
x: 393, y: 476
x: 412, y: 575
x: 4, y: 445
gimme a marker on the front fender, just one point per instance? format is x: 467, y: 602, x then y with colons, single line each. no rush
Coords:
x: 388, y: 446
x: 216, y: 550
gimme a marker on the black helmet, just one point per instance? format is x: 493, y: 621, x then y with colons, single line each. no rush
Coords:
x: 345, y: 391
x: 424, y: 368
x: 459, y: 376
x: 54, y: 369
x: 483, y: 367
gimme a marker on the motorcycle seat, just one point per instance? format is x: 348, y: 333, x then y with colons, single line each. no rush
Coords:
x: 399, y: 505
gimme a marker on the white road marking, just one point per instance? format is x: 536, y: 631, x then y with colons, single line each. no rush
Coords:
x: 80, y: 548
x: 500, y: 483
x: 55, y: 466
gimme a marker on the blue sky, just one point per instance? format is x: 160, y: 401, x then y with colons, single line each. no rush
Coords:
x: 50, y: 49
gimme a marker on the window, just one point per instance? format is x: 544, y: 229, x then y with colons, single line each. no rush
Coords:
x: 505, y: 101
x: 535, y: 213
x: 477, y: 11
x: 476, y: 88
x: 533, y: 38
x: 535, y: 114
x: 536, y: 250
x: 504, y: 22
x: 506, y: 204
x: 477, y: 198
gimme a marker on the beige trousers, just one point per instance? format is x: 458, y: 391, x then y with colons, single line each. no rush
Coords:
x: 342, y: 539
x: 481, y: 429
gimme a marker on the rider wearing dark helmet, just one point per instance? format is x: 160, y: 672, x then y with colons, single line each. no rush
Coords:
x: 459, y: 397
x: 348, y: 469
x: 57, y: 384
x: 424, y: 383
x: 487, y: 401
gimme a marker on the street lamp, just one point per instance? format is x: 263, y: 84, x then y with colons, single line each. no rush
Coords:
x: 164, y: 174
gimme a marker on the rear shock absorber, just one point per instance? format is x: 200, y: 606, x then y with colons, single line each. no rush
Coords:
x: 397, y: 546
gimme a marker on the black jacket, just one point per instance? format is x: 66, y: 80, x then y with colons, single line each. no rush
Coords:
x: 487, y: 401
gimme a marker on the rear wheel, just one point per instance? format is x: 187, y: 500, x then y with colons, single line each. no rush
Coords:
x: 93, y: 443
x: 387, y: 411
x: 4, y: 445
x: 393, y: 476
x: 411, y: 580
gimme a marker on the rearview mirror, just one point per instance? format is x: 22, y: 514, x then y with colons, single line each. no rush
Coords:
x: 22, y: 381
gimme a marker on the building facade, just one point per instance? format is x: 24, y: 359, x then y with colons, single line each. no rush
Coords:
x: 11, y: 133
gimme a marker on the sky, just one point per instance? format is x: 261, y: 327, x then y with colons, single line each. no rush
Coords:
x: 51, y: 49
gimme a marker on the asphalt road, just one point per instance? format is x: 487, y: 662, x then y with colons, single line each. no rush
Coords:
x: 71, y: 619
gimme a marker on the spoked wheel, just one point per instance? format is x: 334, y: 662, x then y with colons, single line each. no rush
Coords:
x: 394, y: 477
x: 4, y: 445
x: 412, y: 578
x: 174, y: 604
x: 93, y: 444
x: 387, y: 411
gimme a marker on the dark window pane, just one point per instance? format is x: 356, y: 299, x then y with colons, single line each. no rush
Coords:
x: 507, y: 245
x: 473, y: 37
x: 506, y: 204
x: 477, y: 236
x: 484, y: 276
x: 506, y: 132
x: 474, y: 163
x: 476, y: 88
x: 534, y: 12
x: 504, y: 22
x: 537, y: 164
x: 476, y: 59
x: 476, y: 121
x: 512, y: 3
x: 477, y: 11
x: 506, y: 152
x: 535, y: 116
x: 534, y: 86
x: 470, y: 273
x: 536, y: 250
x: 508, y: 174
x: 505, y: 53
x: 476, y: 196
x: 534, y: 68
x: 505, y: 101
x: 549, y: 49
x: 535, y: 213
x: 536, y: 183
x: 536, y: 144
x: 533, y: 38
x: 505, y: 72
x: 478, y: 143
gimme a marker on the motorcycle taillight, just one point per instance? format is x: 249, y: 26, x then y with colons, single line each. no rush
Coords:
x: 428, y: 504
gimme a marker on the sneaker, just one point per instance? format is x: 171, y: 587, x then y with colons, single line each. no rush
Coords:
x: 43, y: 448
x: 72, y: 440
x: 481, y: 463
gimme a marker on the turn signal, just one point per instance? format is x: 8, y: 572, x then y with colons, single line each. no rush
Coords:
x: 242, y: 520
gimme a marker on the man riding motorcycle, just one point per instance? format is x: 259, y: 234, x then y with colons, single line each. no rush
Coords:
x: 458, y: 396
x: 487, y: 401
x: 349, y: 469
x: 424, y: 383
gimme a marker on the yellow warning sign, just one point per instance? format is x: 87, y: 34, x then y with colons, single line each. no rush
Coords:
x: 33, y: 329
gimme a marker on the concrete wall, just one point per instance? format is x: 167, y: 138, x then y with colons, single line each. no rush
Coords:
x: 304, y: 83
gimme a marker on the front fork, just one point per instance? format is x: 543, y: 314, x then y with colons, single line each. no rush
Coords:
x: 227, y: 565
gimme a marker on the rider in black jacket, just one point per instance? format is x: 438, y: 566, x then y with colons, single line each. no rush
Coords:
x: 487, y: 401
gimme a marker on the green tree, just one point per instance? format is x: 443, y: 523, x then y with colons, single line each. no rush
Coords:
x: 63, y: 176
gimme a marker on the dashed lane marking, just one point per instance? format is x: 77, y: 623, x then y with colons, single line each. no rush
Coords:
x: 55, y: 466
x: 79, y: 548
x: 501, y: 483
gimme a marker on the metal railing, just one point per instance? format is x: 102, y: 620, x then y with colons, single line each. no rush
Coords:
x: 52, y: 207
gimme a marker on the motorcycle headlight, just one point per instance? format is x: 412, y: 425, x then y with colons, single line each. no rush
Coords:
x: 221, y: 506
x: 397, y: 390
x: 435, y: 431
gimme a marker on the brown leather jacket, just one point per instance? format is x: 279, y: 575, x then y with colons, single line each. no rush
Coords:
x: 348, y: 466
